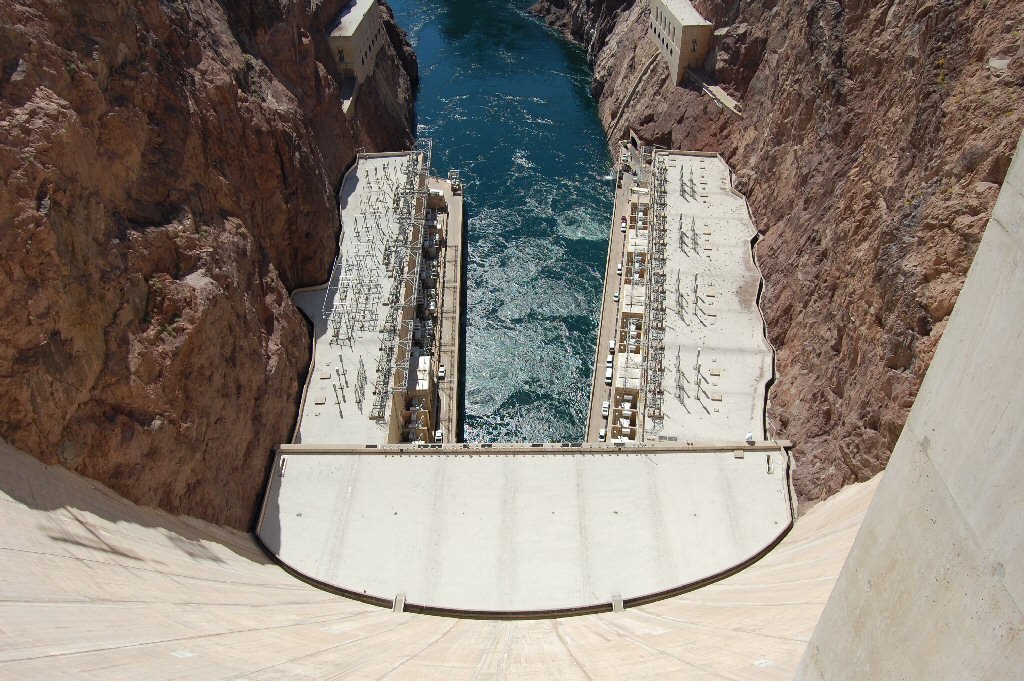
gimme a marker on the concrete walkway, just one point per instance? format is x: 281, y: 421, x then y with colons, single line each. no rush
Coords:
x: 644, y: 71
x: 722, y: 98
x: 608, y: 320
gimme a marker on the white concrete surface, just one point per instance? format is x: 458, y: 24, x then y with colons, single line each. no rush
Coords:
x: 721, y: 318
x: 719, y: 96
x: 934, y: 587
x: 684, y: 12
x: 93, y: 588
x: 331, y: 411
x: 518, y: 532
x: 352, y: 14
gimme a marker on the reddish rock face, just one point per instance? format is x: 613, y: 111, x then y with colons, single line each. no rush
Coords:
x: 874, y: 141
x: 169, y: 174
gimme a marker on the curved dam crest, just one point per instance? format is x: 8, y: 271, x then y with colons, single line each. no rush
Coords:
x: 509, y: 532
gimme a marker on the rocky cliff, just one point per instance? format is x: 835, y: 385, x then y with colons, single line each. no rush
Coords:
x: 169, y: 171
x: 874, y: 139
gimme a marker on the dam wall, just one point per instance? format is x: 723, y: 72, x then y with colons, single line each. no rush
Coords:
x: 934, y: 585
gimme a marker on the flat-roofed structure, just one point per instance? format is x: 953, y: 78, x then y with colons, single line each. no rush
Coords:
x: 682, y: 34
x: 356, y: 37
x: 691, y: 362
x: 523, y: 530
x: 716, y: 362
x: 377, y: 348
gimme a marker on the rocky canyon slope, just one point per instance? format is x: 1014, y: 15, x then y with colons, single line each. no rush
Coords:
x: 874, y: 139
x: 169, y: 172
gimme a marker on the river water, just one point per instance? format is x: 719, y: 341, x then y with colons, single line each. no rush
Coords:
x: 507, y: 102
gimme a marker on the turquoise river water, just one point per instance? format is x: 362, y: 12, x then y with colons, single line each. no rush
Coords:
x: 507, y: 102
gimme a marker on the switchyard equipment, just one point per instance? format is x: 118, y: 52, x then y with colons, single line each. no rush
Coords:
x: 382, y: 305
x: 707, y: 246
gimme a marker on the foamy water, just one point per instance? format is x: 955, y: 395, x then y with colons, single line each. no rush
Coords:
x: 507, y: 102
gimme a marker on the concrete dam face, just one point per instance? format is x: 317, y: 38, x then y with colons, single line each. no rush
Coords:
x: 94, y: 587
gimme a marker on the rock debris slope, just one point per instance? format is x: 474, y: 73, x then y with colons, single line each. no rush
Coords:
x: 874, y: 140
x: 169, y: 173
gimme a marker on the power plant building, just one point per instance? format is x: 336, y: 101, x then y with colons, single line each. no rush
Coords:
x: 356, y: 38
x: 682, y: 34
x: 385, y: 324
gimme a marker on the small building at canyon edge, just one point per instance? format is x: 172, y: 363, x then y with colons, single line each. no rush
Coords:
x: 356, y: 37
x: 682, y: 34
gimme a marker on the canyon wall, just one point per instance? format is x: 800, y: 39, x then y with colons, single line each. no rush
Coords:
x: 874, y: 139
x: 169, y: 171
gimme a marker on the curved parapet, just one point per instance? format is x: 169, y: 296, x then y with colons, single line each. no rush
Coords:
x: 513, y: 533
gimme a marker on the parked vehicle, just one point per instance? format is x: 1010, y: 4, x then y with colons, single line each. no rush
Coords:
x: 602, y: 435
x: 604, y: 408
